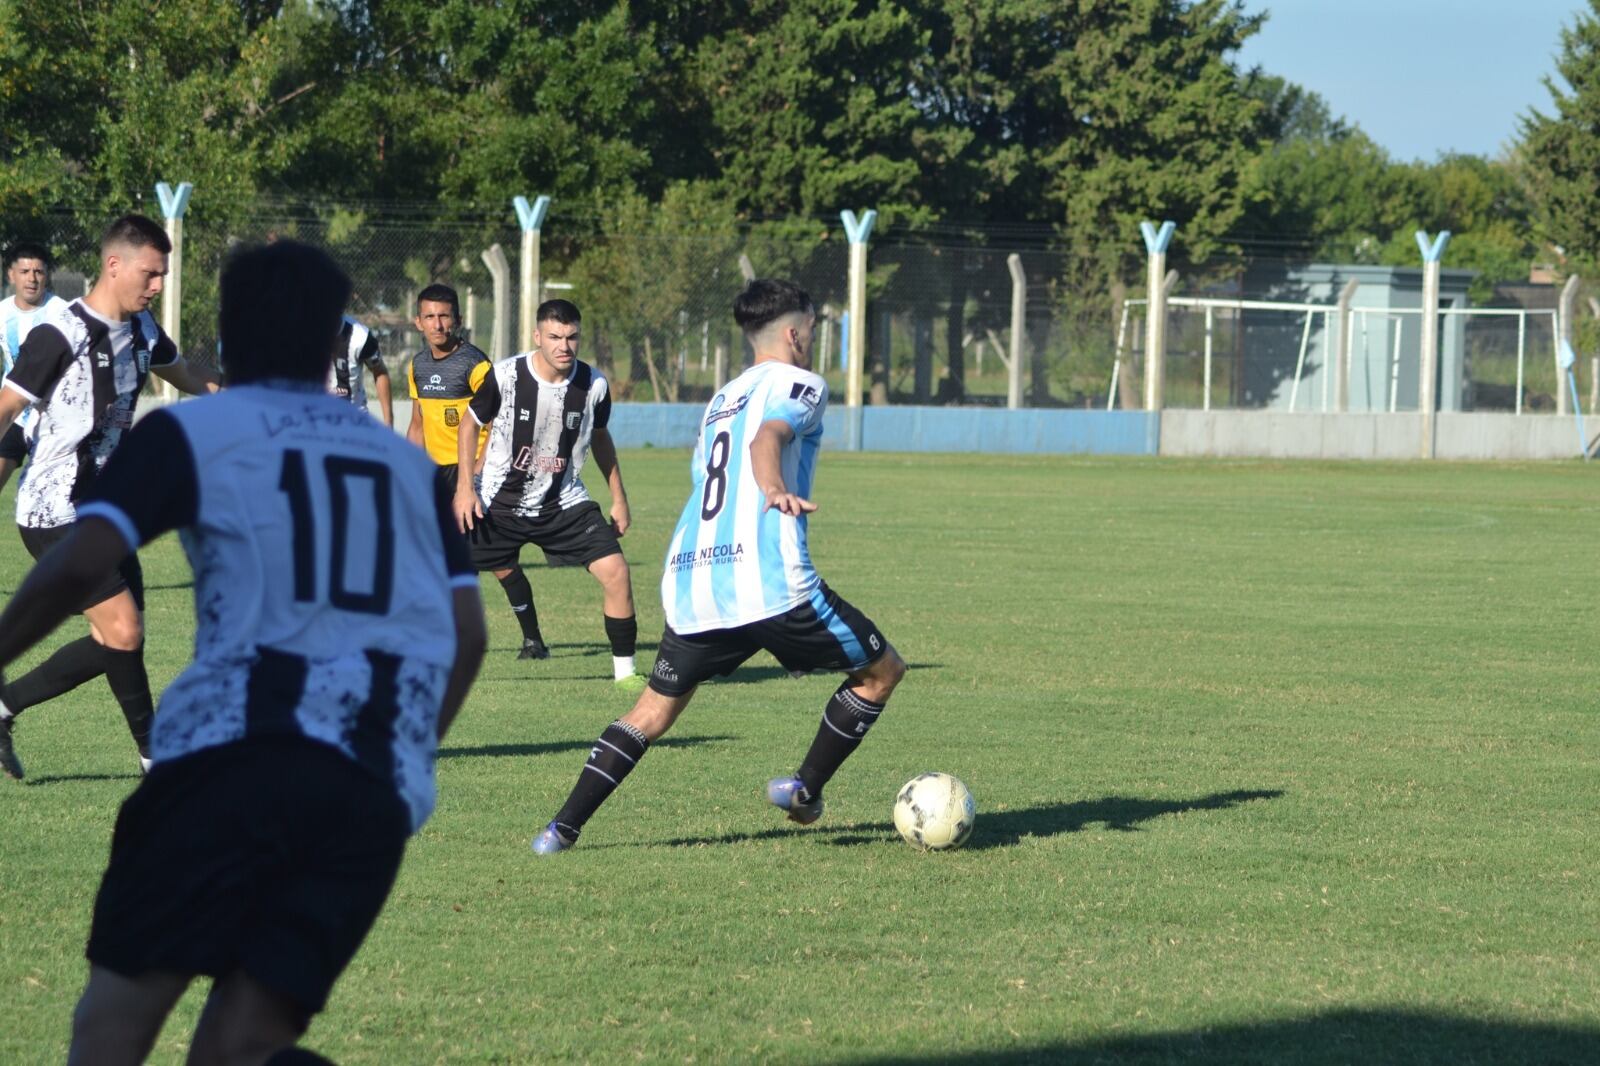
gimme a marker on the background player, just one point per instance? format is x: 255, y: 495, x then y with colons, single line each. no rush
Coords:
x: 27, y: 268
x: 441, y: 380
x: 544, y: 410
x: 81, y: 370
x: 739, y: 576
x: 357, y: 347
x: 295, y: 755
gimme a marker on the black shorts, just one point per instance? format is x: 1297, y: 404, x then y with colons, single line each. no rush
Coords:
x: 271, y: 855
x: 128, y: 574
x: 13, y: 445
x: 447, y: 478
x: 576, y: 536
x: 828, y: 634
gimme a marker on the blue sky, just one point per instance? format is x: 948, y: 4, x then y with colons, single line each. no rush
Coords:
x: 1421, y: 77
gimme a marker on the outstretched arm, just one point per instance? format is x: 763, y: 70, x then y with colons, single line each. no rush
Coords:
x: 189, y: 377
x: 766, y: 462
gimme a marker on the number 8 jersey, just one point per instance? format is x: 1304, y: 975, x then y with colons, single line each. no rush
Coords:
x: 324, y: 555
x: 731, y: 561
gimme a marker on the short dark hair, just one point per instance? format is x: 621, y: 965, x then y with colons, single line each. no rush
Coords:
x: 136, y: 231
x: 765, y: 300
x: 280, y: 307
x: 26, y: 250
x: 563, y: 311
x: 440, y: 293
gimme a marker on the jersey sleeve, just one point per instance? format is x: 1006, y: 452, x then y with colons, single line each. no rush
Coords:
x: 370, y: 356
x: 162, y: 351
x: 150, y: 484
x: 602, y: 406
x: 801, y: 404
x: 457, y: 557
x: 42, y: 358
x: 411, y: 379
x: 485, y: 396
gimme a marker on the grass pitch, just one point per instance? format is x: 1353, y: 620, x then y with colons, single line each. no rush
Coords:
x: 1273, y: 762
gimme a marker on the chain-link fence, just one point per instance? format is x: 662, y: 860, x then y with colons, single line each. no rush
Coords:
x: 1242, y: 331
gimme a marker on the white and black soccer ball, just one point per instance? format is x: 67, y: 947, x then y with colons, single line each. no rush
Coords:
x: 934, y: 812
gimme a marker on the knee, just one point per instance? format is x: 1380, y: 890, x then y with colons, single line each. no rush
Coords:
x: 122, y: 633
x: 612, y: 572
x: 881, y: 678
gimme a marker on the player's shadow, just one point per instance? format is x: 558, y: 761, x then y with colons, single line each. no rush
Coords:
x: 1004, y: 829
x: 748, y: 674
x: 176, y: 586
x: 59, y: 779
x: 558, y: 747
x: 1366, y: 1035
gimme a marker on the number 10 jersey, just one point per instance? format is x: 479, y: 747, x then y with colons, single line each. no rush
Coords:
x: 732, y: 561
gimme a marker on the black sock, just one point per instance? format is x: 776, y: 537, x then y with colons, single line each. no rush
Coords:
x: 131, y: 687
x: 618, y: 751
x: 845, y: 720
x: 70, y: 666
x: 520, y: 595
x: 623, y: 633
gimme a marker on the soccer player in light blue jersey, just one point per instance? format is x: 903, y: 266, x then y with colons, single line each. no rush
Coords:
x: 27, y: 270
x: 739, y: 577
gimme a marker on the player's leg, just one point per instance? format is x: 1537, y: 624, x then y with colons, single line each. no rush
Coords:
x: 7, y: 468
x: 244, y: 1021
x: 621, y: 623
x: 118, y: 1018
x: 830, y: 634
x: 681, y: 664
x: 117, y: 622
x: 496, y: 544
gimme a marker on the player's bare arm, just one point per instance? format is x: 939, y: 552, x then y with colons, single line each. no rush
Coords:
x: 12, y: 404
x: 766, y: 462
x: 188, y: 377
x: 414, y: 430
x: 467, y: 506
x: 57, y: 584
x: 604, y: 450
x: 381, y: 386
x: 472, y: 640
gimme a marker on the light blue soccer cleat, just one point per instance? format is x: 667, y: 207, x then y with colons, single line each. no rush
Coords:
x: 788, y: 794
x: 551, y: 841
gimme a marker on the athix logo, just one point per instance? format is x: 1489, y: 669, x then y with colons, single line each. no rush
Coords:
x: 435, y: 381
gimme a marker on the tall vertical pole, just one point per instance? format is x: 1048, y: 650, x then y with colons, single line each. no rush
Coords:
x: 1205, y: 392
x: 531, y: 217
x: 494, y: 257
x: 1341, y: 376
x: 1019, y: 325
x: 1155, y: 325
x: 1428, y: 383
x: 173, y: 205
x: 1568, y: 313
x: 859, y: 231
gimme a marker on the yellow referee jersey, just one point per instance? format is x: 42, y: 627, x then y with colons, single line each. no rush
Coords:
x: 441, y: 389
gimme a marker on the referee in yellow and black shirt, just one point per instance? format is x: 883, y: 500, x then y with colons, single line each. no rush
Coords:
x: 442, y: 378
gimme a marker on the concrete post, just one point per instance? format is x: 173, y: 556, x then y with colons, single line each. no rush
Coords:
x: 1428, y: 384
x: 859, y: 231
x: 1341, y: 377
x: 1594, y: 365
x: 531, y: 218
x: 1568, y: 313
x: 173, y: 206
x: 1019, y: 325
x: 1155, y: 326
x: 494, y: 257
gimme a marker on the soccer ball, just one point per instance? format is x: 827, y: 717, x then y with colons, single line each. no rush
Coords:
x: 934, y: 812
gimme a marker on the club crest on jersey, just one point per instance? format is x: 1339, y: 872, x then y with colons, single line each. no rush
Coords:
x: 718, y: 412
x: 574, y: 419
x: 523, y: 414
x: 452, y: 417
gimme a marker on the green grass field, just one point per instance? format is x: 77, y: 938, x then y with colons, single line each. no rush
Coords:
x: 1274, y: 762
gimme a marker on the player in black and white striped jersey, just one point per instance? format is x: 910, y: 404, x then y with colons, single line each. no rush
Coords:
x: 338, y: 628
x: 356, y: 349
x: 80, y: 370
x: 544, y: 410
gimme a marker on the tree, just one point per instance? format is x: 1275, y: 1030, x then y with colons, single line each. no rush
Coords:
x: 1562, y: 150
